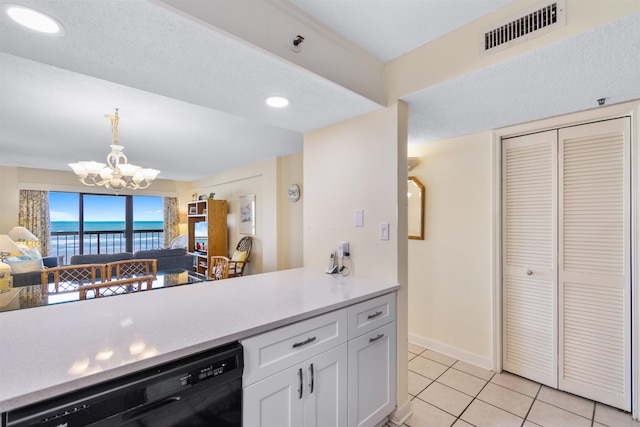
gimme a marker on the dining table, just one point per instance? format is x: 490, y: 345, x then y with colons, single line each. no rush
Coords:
x: 32, y: 296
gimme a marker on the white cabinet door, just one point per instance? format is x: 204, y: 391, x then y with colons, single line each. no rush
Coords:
x: 595, y: 262
x: 567, y: 261
x: 275, y: 401
x: 326, y: 389
x: 312, y: 394
x: 529, y: 206
x: 372, y: 376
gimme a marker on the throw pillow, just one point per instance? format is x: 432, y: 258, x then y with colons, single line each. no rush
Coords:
x: 180, y: 242
x: 32, y: 253
x: 239, y: 257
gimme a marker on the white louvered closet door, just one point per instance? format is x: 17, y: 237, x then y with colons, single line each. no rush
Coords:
x: 529, y: 209
x: 594, y: 261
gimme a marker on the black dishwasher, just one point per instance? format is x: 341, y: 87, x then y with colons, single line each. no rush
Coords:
x: 200, y: 390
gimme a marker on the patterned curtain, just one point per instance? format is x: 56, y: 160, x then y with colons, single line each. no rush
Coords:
x: 171, y: 220
x: 34, y: 216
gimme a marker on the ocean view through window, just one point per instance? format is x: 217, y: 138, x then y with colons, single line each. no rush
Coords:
x: 107, y: 224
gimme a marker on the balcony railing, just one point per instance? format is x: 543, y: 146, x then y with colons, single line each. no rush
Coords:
x: 67, y: 243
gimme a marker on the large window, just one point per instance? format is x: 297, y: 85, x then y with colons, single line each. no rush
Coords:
x: 96, y: 224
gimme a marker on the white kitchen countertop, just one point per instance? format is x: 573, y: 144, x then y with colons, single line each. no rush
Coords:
x: 51, y: 350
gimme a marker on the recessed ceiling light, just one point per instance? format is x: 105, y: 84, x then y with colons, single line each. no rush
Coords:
x: 277, y: 102
x: 33, y: 19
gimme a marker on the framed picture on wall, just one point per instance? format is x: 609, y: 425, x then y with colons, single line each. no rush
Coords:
x: 248, y: 215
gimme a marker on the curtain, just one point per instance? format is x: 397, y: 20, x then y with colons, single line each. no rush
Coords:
x: 33, y: 214
x: 171, y: 220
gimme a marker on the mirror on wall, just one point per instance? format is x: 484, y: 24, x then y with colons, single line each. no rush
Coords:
x: 415, y: 195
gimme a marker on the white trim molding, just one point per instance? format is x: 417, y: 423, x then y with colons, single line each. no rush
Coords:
x: 451, y: 351
x: 401, y: 414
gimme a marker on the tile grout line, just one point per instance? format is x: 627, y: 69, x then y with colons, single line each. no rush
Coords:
x: 474, y: 398
x: 532, y: 403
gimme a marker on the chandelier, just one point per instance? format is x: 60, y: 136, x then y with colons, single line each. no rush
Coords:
x: 117, y: 173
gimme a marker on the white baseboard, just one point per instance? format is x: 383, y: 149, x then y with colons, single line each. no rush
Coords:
x: 401, y: 413
x: 451, y: 351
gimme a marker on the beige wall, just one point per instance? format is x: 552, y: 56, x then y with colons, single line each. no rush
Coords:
x: 450, y: 292
x: 290, y: 253
x: 361, y: 164
x: 275, y: 246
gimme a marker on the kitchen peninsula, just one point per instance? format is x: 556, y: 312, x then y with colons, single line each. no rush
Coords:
x: 52, y: 350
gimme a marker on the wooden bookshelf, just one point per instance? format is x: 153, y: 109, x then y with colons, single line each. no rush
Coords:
x: 214, y: 212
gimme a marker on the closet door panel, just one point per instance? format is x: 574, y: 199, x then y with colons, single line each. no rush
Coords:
x: 529, y: 182
x: 594, y: 261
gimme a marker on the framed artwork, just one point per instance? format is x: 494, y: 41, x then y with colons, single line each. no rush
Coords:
x: 248, y: 215
x: 193, y: 210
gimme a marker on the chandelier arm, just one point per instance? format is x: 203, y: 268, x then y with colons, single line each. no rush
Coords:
x: 85, y: 182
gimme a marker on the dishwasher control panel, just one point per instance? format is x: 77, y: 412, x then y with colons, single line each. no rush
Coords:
x: 147, y: 396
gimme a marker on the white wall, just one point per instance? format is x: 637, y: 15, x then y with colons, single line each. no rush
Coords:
x: 450, y: 271
x: 361, y: 164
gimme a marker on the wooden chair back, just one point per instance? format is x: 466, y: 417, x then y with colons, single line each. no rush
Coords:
x: 218, y: 268
x: 70, y: 277
x: 118, y: 270
x: 236, y: 268
x: 117, y: 286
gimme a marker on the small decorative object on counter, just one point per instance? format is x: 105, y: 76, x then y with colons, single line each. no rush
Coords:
x: 212, y: 195
x: 194, y: 196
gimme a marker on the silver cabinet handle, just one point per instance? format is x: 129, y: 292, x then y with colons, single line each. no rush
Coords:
x: 305, y: 342
x: 374, y: 315
x: 529, y: 272
x: 300, y: 389
x: 376, y: 338
x: 311, y: 386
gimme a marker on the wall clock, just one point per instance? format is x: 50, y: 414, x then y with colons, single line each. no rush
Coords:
x: 294, y: 192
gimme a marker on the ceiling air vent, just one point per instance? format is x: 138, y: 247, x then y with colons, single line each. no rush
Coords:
x: 530, y: 23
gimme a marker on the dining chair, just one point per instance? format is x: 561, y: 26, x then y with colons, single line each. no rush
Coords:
x: 218, y: 268
x: 131, y: 268
x: 70, y: 277
x: 116, y: 287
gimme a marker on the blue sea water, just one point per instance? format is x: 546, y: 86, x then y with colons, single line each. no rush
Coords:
x: 104, y: 225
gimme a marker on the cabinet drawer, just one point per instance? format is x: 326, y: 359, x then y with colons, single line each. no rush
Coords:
x: 369, y: 315
x: 273, y: 351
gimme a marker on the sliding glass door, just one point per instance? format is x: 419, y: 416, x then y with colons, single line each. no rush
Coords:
x: 94, y: 224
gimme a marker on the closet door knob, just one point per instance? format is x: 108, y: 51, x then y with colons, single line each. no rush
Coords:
x: 529, y: 272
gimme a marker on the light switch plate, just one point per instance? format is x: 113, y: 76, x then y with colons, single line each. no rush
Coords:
x: 384, y: 231
x: 358, y: 218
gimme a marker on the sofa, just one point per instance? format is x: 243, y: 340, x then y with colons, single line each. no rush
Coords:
x: 29, y: 278
x: 167, y: 259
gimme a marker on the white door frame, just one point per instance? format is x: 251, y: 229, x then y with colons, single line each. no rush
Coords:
x: 626, y: 109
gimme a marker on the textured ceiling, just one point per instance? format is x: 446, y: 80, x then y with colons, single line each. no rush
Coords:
x: 566, y: 76
x: 388, y: 29
x: 177, y: 83
x: 191, y: 96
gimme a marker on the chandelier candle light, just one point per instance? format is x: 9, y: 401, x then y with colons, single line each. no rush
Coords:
x: 118, y: 173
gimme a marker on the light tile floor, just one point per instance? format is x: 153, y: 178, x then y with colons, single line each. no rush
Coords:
x: 448, y: 392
